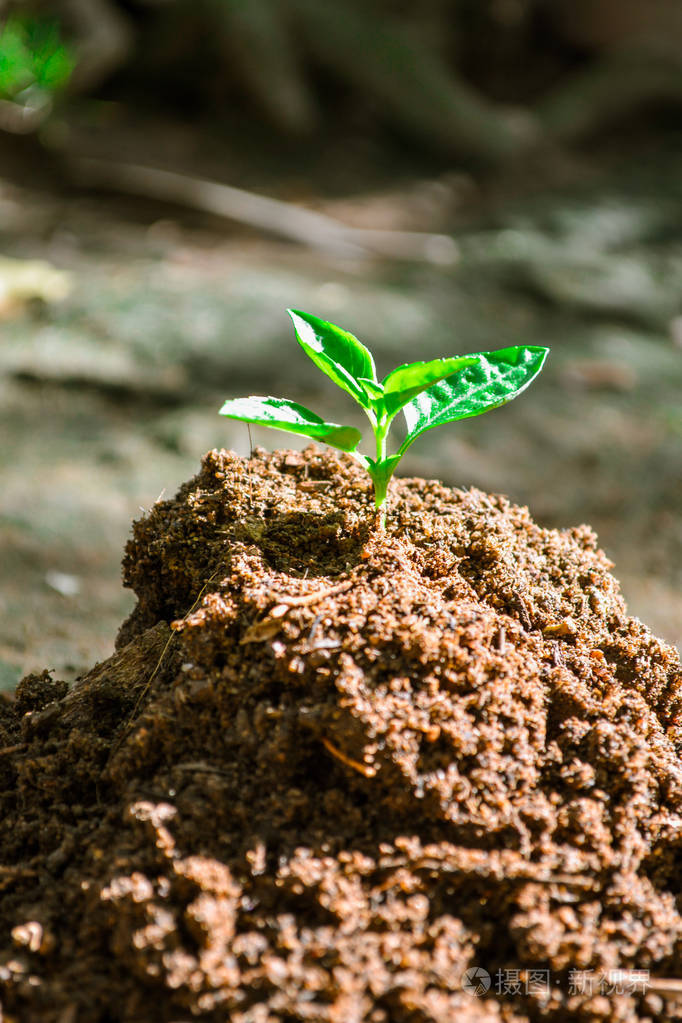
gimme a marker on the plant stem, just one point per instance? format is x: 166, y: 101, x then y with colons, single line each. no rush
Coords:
x: 378, y: 478
x: 380, y: 483
x: 380, y: 433
x: 380, y: 492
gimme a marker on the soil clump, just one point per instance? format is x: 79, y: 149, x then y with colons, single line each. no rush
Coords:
x: 329, y: 769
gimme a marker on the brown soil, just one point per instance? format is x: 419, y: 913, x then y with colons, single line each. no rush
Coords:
x: 356, y: 765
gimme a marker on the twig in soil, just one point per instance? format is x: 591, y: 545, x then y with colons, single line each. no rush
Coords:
x: 261, y: 631
x: 200, y: 766
x: 523, y: 613
x: 285, y: 603
x: 10, y: 874
x: 69, y: 1014
x: 12, y: 749
x: 313, y: 629
x: 170, y: 639
x: 489, y: 874
x: 569, y: 880
x: 151, y: 677
x: 365, y: 769
x: 251, y: 500
x: 663, y: 986
x: 312, y: 485
x: 557, y: 656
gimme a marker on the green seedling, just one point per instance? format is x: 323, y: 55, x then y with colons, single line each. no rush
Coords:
x: 428, y: 394
x: 34, y: 61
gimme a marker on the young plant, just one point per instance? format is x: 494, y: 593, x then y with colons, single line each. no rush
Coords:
x: 35, y: 64
x: 429, y: 394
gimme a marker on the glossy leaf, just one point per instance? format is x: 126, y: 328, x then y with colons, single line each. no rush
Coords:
x: 288, y: 415
x: 491, y: 380
x: 336, y: 352
x: 372, y: 389
x: 430, y: 393
x: 410, y: 379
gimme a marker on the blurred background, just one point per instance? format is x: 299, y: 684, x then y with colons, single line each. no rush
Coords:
x: 442, y: 177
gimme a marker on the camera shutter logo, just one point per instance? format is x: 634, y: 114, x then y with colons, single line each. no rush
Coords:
x: 476, y: 980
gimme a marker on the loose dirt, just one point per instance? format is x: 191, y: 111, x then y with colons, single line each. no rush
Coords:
x: 330, y: 769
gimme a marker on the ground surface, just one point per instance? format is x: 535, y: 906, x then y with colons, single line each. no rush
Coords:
x: 358, y: 764
x: 109, y: 398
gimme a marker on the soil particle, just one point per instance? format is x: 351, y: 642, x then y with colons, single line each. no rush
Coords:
x: 330, y: 769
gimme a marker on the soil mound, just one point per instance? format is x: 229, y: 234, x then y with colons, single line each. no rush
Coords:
x: 329, y: 770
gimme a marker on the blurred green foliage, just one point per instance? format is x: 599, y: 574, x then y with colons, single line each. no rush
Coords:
x: 33, y: 59
x: 487, y: 82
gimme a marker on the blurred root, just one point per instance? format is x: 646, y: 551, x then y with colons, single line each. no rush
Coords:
x: 104, y: 41
x: 257, y: 42
x: 608, y: 91
x: 264, y: 213
x: 412, y: 83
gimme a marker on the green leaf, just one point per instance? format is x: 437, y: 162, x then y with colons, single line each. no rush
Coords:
x: 381, y: 473
x: 492, y: 379
x: 372, y: 389
x: 407, y: 381
x: 336, y: 352
x: 52, y: 62
x: 55, y: 71
x: 31, y: 54
x: 15, y: 59
x: 288, y: 415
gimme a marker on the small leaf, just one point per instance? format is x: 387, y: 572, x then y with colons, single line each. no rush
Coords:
x: 52, y: 62
x: 384, y: 469
x: 282, y: 414
x: 381, y: 473
x: 371, y: 387
x: 336, y: 352
x: 409, y: 380
x: 492, y: 379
